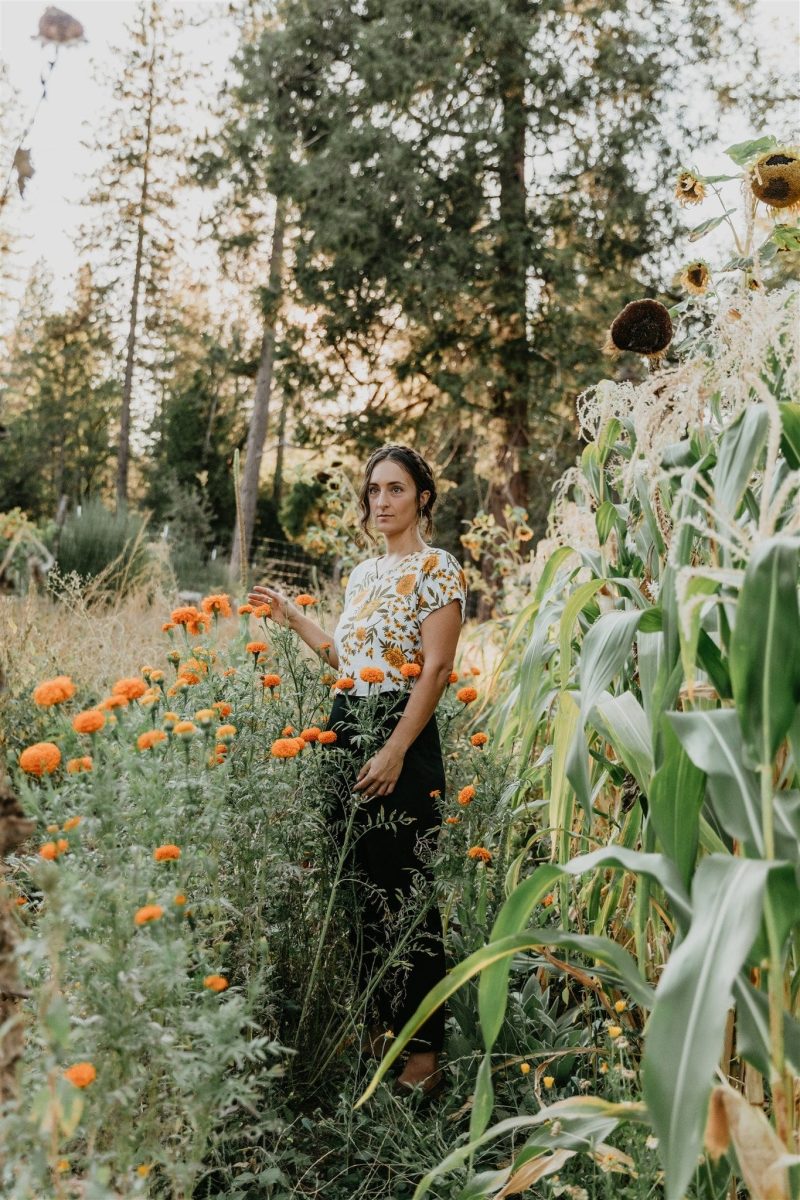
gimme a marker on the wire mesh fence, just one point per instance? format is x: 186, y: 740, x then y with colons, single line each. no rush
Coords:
x: 284, y: 564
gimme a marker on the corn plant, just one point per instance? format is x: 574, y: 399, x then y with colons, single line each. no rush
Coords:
x: 652, y: 686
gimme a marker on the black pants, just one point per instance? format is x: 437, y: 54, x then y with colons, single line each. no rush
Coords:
x: 395, y: 901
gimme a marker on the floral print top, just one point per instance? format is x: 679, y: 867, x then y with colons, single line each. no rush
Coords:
x: 383, y: 612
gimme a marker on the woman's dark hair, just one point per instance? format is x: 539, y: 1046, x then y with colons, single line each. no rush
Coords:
x: 419, y: 471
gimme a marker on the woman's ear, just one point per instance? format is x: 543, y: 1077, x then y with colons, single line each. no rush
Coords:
x: 424, y: 497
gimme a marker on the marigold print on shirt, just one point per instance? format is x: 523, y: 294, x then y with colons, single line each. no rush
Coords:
x: 384, y: 610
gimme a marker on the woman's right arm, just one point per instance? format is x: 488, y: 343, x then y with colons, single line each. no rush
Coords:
x: 285, y: 612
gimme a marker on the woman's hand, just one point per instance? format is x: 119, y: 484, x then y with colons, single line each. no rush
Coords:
x: 380, y: 773
x: 283, y: 611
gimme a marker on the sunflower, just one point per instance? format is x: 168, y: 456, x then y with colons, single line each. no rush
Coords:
x: 643, y: 327
x: 695, y: 277
x: 774, y: 178
x: 689, y: 189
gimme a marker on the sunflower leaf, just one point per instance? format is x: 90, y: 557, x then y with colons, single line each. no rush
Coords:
x: 743, y: 151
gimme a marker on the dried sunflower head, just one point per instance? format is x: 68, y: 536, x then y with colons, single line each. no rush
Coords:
x: 775, y: 178
x: 58, y: 28
x: 689, y: 189
x: 643, y: 327
x: 695, y: 277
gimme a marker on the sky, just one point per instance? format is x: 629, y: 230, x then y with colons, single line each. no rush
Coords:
x: 49, y: 214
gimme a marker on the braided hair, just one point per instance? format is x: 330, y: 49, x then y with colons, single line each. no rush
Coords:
x: 420, y: 472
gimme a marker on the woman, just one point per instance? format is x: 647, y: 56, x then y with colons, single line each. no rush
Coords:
x: 403, y: 610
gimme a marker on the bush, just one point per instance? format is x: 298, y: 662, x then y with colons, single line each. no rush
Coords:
x: 107, y: 547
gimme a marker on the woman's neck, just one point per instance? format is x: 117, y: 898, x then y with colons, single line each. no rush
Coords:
x: 401, y: 544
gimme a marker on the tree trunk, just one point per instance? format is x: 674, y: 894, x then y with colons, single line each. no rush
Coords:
x: 257, y: 429
x: 123, y: 452
x: 512, y: 369
x: 277, y: 482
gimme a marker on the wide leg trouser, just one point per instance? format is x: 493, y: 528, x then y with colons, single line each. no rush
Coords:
x: 395, y: 901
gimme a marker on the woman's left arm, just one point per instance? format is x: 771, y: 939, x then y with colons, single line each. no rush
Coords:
x: 440, y: 632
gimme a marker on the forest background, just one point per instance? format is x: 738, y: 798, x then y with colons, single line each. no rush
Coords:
x: 336, y: 225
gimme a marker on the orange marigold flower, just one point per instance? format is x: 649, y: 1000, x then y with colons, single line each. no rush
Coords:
x: 186, y: 615
x: 548, y: 899
x: 81, y: 1074
x: 466, y: 695
x: 170, y: 719
x: 195, y: 664
x: 261, y: 611
x: 304, y: 600
x: 156, y: 676
x: 215, y: 983
x: 91, y: 720
x: 466, y: 795
x: 410, y: 670
x: 230, y: 671
x: 151, y: 696
x: 188, y: 678
x: 204, y: 716
x: 256, y: 647
x: 167, y: 626
x: 76, y: 765
x: 435, y: 794
x: 244, y: 609
x: 72, y: 823
x: 52, y: 828
x: 150, y: 738
x: 131, y: 689
x: 180, y: 899
x: 112, y: 702
x: 226, y: 733
x: 311, y: 734
x: 218, y: 603
x: 452, y: 820
x: 479, y: 739
x: 54, y: 691
x: 327, y: 737
x: 147, y: 913
x: 452, y: 677
x: 48, y: 850
x: 21, y: 901
x: 271, y: 681
x: 479, y: 852
x: 223, y: 708
x: 62, y: 845
x: 371, y: 675
x: 167, y: 853
x: 42, y: 758
x: 345, y: 684
x: 284, y: 748
x: 185, y: 728
x: 474, y: 670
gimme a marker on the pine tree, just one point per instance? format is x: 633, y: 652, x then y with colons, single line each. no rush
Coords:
x: 142, y: 147
x: 59, y: 398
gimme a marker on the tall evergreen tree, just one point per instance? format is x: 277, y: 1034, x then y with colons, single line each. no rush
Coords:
x: 141, y: 145
x: 59, y: 398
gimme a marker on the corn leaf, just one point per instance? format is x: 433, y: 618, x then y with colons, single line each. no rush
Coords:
x: 765, y: 648
x: 686, y: 1029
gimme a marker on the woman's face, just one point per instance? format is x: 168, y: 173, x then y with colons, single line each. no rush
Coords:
x: 392, y: 497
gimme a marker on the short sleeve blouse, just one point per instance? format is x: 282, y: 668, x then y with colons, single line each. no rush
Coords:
x: 383, y: 614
